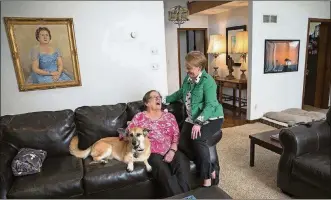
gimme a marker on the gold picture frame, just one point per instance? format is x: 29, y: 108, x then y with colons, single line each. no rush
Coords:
x: 44, y: 52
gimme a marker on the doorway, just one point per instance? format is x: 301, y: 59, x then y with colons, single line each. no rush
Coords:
x: 190, y: 39
x: 316, y: 90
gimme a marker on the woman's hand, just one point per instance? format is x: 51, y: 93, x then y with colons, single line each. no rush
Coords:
x: 55, y: 73
x: 56, y: 77
x: 169, y: 156
x: 195, y: 132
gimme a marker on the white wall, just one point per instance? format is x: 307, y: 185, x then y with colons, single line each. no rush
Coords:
x: 275, y: 92
x: 172, y: 44
x: 114, y: 67
x: 217, y: 25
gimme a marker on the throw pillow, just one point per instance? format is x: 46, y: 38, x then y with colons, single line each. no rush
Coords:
x: 28, y: 161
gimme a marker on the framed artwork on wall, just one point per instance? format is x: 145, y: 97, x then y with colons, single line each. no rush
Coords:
x: 44, y: 52
x: 231, y: 43
x: 281, y: 56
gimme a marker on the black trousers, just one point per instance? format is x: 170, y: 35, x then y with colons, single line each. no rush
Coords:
x: 174, y: 176
x: 197, y: 149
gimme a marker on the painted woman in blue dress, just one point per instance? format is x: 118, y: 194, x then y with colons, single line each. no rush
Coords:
x: 47, y: 64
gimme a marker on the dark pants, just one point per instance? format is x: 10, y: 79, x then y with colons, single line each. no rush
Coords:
x: 174, y: 176
x: 198, y: 149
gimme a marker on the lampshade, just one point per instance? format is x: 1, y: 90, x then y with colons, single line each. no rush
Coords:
x: 216, y: 44
x: 241, y: 42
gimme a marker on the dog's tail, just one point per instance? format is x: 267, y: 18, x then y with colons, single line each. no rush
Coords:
x: 75, y: 151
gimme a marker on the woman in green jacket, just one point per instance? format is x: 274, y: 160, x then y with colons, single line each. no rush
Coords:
x: 205, y: 113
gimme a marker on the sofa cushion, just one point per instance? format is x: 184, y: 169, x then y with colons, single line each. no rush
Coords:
x: 113, y: 176
x: 133, y: 108
x: 28, y: 161
x: 60, y: 178
x: 314, y: 168
x: 178, y: 110
x: 110, y: 176
x: 50, y: 131
x: 96, y: 122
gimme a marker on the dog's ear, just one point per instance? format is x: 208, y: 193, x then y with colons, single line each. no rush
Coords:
x: 122, y: 132
x: 145, y: 131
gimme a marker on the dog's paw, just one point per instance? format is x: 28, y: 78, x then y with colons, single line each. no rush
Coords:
x: 149, y: 168
x: 93, y: 162
x: 130, y: 167
x: 104, y: 161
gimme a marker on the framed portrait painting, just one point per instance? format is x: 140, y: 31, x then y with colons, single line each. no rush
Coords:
x: 44, y: 52
x: 231, y: 43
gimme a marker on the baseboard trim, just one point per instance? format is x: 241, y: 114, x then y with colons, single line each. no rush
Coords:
x: 252, y: 121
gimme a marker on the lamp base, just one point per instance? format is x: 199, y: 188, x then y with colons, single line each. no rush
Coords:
x: 229, y: 77
x: 243, y: 76
x: 215, y: 73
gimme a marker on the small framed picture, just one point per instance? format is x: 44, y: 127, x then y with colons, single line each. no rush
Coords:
x: 281, y: 56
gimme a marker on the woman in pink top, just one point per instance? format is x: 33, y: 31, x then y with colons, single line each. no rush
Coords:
x: 170, y: 167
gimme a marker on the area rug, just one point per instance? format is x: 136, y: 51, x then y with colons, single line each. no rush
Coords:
x: 237, y: 178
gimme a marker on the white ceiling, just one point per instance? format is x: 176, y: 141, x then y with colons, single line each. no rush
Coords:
x: 223, y: 8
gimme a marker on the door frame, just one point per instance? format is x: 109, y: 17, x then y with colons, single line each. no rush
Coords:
x: 306, y: 57
x: 178, y: 47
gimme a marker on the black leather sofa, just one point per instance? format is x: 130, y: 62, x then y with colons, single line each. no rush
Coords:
x: 304, y: 169
x: 63, y: 175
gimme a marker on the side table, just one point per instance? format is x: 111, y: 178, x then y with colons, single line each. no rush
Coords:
x: 235, y: 84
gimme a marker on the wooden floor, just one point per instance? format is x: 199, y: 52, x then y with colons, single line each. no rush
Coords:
x: 233, y: 118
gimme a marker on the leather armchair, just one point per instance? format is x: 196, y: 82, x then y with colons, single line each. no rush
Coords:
x: 304, y: 166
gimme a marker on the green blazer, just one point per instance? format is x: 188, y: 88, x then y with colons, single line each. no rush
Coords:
x: 204, y: 103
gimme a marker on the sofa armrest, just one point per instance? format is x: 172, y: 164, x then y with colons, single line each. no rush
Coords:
x: 304, y: 139
x: 7, y: 154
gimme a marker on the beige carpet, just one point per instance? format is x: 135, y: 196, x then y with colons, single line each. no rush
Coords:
x: 240, y: 180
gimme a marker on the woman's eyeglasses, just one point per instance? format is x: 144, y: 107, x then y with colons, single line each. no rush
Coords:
x: 156, y: 97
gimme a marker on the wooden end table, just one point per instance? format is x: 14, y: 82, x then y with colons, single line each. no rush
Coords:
x: 263, y: 139
x: 235, y: 84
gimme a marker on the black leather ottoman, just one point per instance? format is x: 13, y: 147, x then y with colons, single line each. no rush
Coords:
x: 213, y: 192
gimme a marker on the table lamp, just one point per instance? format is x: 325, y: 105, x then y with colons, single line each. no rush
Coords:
x: 242, y: 48
x: 216, y: 47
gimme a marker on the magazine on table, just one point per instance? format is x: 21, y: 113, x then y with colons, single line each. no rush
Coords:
x: 190, y: 197
x: 275, y: 137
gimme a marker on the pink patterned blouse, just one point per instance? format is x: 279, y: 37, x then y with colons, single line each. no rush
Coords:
x: 163, y: 131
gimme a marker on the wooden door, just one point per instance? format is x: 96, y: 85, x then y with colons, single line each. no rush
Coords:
x: 316, y: 90
x: 190, y: 39
x: 323, y: 76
